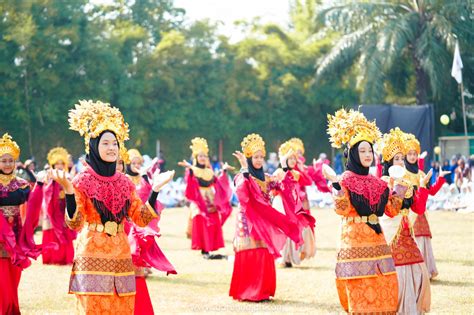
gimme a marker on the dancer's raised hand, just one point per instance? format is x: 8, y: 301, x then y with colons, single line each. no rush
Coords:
x: 185, y: 163
x: 226, y: 167
x: 242, y: 159
x: 61, y: 178
x: 161, y: 179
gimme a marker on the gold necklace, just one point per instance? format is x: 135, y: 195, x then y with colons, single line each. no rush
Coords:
x: 6, y: 179
x: 204, y: 173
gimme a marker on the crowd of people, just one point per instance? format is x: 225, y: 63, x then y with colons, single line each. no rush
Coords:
x: 101, y: 214
x: 450, y: 197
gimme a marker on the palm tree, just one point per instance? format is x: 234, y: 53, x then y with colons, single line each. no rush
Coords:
x: 378, y: 35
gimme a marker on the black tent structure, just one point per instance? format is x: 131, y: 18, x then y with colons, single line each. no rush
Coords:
x: 418, y: 120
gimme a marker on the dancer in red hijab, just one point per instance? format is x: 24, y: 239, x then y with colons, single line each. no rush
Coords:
x: 261, y: 230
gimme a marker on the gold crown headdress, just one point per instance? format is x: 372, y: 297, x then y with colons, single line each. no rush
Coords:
x: 199, y: 145
x: 123, y: 155
x: 411, y: 143
x: 134, y: 153
x: 298, y: 143
x: 58, y: 154
x: 351, y: 127
x: 8, y: 146
x: 251, y: 144
x: 90, y: 119
x: 392, y: 143
x: 286, y: 147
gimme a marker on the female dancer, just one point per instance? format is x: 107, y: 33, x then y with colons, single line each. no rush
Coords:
x: 58, y: 248
x: 414, y: 294
x: 261, y: 230
x: 99, y: 200
x: 209, y: 198
x: 416, y: 177
x: 16, y: 239
x: 366, y: 279
x: 290, y: 254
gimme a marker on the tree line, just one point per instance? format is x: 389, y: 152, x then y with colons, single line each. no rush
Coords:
x: 174, y: 80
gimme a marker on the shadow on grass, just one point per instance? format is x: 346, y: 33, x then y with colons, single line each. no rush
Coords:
x: 273, y: 306
x: 449, y: 283
x: 185, y: 281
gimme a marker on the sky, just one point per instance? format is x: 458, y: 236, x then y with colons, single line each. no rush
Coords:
x: 229, y: 11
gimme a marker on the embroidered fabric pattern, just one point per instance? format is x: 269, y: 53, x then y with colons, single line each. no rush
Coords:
x: 404, y: 249
x: 76, y: 222
x: 103, y: 264
x: 113, y: 192
x: 208, y: 195
x: 374, y: 296
x: 341, y: 203
x: 264, y: 187
x: 146, y: 214
x: 15, y: 184
x: 364, y: 252
x: 368, y: 186
x: 359, y: 269
x: 421, y: 226
x: 92, y: 284
x: 10, y: 211
x: 105, y: 305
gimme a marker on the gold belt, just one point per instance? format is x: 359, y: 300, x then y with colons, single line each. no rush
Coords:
x: 371, y: 219
x: 110, y: 227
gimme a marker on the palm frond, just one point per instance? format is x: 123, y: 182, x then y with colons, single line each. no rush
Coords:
x: 348, y: 17
x: 371, y: 68
x: 434, y: 59
x: 343, y: 53
x: 443, y: 29
x: 394, y: 37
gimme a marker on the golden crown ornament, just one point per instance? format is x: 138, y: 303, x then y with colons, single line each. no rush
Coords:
x: 351, y: 127
x: 8, y: 146
x: 251, y: 144
x: 286, y: 147
x: 411, y: 143
x: 134, y: 153
x: 56, y: 155
x: 91, y: 118
x: 199, y: 145
x: 392, y: 143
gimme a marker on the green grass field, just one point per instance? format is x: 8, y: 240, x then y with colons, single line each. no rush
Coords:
x: 202, y: 285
